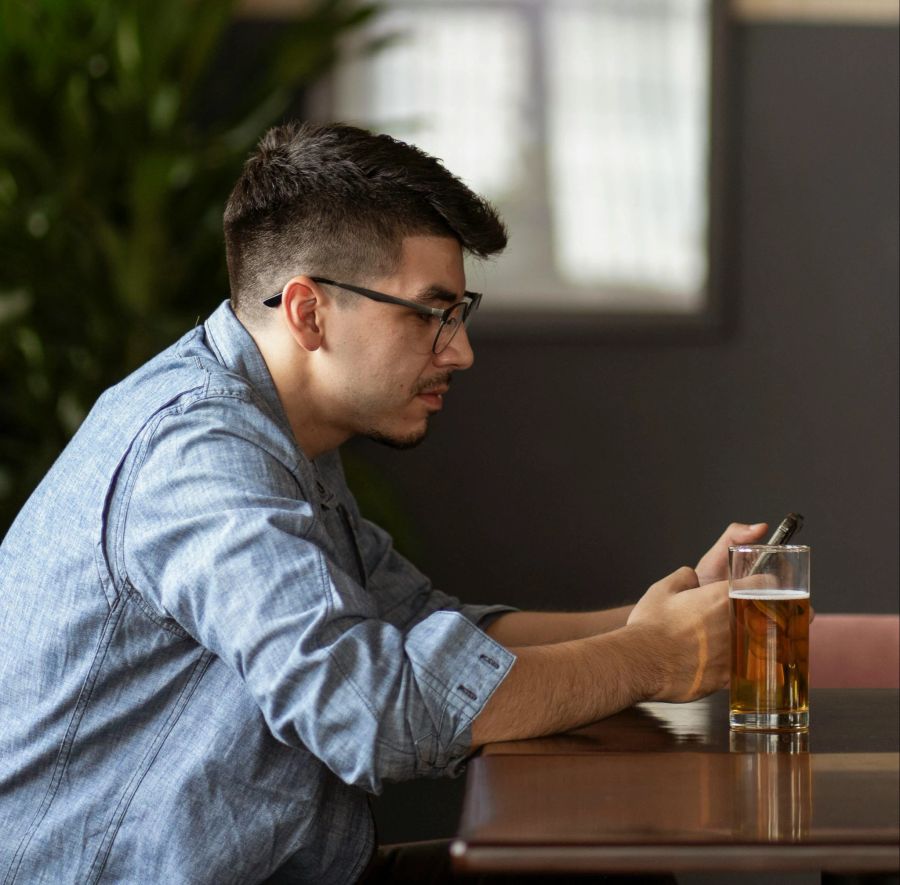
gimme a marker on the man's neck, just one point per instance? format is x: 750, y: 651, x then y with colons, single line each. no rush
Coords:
x: 314, y: 433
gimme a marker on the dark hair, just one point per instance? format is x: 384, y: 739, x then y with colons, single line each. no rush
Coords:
x: 337, y: 201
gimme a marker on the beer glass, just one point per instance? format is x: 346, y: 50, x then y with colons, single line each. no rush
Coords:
x: 769, y: 609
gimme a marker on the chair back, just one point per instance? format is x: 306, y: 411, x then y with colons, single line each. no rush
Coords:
x: 854, y: 651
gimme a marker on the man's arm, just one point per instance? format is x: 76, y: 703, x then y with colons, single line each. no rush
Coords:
x: 246, y: 567
x: 674, y: 647
x: 522, y: 629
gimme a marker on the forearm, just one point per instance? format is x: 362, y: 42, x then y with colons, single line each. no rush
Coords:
x: 521, y: 629
x: 553, y: 688
x: 675, y: 647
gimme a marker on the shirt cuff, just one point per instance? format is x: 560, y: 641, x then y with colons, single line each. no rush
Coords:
x: 454, y: 657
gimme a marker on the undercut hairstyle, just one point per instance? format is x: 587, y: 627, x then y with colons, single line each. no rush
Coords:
x: 337, y: 201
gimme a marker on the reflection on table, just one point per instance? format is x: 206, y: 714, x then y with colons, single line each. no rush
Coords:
x: 669, y: 787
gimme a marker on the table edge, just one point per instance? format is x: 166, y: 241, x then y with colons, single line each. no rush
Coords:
x: 856, y: 858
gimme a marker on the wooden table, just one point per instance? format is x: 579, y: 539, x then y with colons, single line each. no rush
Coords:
x: 667, y: 787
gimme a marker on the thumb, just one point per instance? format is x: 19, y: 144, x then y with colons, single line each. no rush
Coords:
x: 750, y: 534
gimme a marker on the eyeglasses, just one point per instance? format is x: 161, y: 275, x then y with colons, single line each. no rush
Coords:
x: 451, y: 318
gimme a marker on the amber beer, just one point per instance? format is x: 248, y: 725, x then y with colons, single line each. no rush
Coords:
x: 769, y: 647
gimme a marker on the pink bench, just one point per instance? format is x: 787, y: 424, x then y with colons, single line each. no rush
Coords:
x: 854, y: 651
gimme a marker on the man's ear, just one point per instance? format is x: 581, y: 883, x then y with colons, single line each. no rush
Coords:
x: 301, y: 306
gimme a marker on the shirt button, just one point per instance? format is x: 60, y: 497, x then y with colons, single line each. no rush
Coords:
x: 467, y: 692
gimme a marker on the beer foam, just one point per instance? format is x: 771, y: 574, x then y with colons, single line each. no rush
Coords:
x: 769, y: 595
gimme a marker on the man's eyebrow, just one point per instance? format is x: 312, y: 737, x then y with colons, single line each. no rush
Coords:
x: 437, y: 293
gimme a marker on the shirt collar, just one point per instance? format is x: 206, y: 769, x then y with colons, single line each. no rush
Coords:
x: 235, y: 349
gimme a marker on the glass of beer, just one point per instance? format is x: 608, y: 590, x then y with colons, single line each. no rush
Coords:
x: 769, y: 605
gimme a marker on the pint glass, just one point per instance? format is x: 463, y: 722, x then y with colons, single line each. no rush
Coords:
x: 769, y: 604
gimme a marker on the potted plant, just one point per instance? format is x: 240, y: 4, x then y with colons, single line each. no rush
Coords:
x: 116, y: 159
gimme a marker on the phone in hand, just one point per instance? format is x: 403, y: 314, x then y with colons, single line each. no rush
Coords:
x: 787, y: 528
x: 791, y: 524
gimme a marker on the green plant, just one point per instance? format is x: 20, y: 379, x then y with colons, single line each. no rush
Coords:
x: 112, y: 186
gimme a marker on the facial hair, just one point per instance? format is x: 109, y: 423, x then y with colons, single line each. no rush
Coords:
x: 413, y: 439
x: 399, y: 443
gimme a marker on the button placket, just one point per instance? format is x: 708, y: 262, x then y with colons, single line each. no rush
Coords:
x: 330, y: 503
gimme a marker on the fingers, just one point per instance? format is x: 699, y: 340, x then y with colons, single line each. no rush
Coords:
x: 684, y: 578
x: 693, y: 652
x: 719, y: 589
x: 713, y: 566
x: 651, y: 606
x: 714, y: 649
x: 740, y: 533
x: 755, y: 583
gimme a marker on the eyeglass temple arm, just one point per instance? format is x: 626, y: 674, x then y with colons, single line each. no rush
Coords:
x: 380, y: 296
x: 474, y: 298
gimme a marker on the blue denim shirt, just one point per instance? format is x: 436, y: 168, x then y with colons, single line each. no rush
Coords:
x: 207, y: 657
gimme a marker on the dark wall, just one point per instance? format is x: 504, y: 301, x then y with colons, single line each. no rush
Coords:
x: 577, y: 473
x: 574, y: 475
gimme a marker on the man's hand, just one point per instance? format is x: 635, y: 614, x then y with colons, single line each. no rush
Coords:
x: 691, y: 649
x: 674, y: 647
x: 714, y: 564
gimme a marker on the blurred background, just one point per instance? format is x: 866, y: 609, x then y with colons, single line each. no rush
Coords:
x: 697, y: 320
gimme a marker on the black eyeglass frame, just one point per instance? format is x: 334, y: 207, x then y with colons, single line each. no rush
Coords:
x: 470, y: 303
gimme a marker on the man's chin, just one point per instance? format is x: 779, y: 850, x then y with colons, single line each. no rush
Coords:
x: 410, y: 441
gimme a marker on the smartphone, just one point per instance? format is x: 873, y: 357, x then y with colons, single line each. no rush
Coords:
x: 791, y: 524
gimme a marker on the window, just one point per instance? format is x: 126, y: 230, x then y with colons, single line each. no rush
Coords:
x: 586, y: 122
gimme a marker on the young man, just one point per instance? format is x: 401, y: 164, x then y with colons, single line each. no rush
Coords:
x: 208, y: 657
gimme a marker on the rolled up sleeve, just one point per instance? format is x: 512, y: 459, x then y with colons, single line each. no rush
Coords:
x: 219, y: 536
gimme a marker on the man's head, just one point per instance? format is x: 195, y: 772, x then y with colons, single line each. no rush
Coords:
x: 337, y: 201
x: 363, y: 239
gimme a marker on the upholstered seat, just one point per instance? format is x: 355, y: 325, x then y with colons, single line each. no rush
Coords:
x: 854, y: 651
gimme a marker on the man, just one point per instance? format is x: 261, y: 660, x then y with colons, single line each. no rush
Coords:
x: 208, y: 657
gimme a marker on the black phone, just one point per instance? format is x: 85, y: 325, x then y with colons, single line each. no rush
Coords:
x: 790, y: 525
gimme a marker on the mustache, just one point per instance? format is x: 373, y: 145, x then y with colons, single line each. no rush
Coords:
x: 440, y: 381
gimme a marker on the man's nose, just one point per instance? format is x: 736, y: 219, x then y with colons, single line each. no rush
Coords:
x: 458, y: 354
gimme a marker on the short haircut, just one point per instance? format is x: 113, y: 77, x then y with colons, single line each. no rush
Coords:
x: 337, y: 201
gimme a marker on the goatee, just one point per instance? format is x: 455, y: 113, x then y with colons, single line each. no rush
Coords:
x: 395, y: 442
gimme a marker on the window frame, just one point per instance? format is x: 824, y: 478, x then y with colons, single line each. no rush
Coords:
x: 710, y: 321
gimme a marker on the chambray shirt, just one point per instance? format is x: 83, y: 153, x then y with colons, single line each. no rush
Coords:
x: 207, y: 657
